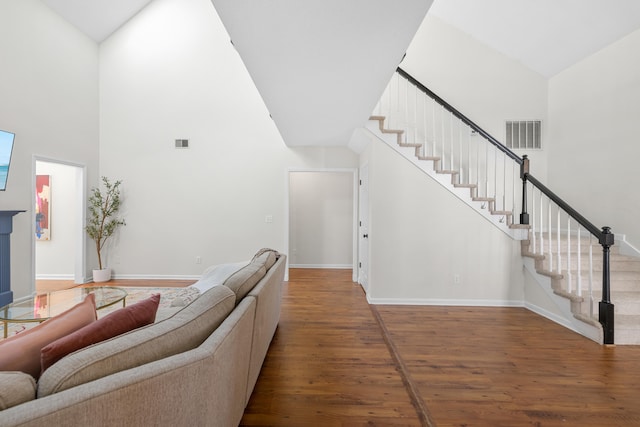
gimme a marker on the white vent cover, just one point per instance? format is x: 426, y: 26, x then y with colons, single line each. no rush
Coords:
x: 182, y: 143
x: 523, y: 134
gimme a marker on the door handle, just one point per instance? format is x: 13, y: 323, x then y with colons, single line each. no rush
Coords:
x: 365, y: 236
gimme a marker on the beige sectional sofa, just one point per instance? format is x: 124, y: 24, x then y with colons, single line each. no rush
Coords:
x: 195, y: 368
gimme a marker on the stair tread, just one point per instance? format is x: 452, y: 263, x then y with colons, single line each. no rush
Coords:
x: 444, y: 171
x: 465, y: 185
x: 398, y: 131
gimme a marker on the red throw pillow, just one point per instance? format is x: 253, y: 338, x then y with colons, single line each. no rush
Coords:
x: 21, y: 352
x: 120, y: 321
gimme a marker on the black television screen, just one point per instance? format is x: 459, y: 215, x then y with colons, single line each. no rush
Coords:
x: 6, y: 146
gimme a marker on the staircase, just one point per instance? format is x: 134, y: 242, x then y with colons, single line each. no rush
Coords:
x: 560, y: 249
x: 580, y: 284
x: 449, y: 178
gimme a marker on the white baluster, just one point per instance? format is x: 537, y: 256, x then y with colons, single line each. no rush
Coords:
x: 541, y: 226
x: 443, y: 162
x: 433, y: 126
x: 559, y: 269
x: 550, y: 236
x: 451, y: 156
x: 569, y: 278
x: 415, y: 114
x: 579, y: 262
x: 477, y: 168
x: 424, y: 123
x: 591, y: 302
x: 468, y: 130
x: 460, y: 174
x: 486, y: 168
x: 533, y: 222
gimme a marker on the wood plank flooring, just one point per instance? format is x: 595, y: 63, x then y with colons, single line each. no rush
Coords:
x: 329, y: 366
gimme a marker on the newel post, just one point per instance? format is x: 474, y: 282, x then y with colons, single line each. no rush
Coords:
x: 524, y: 172
x: 606, y: 313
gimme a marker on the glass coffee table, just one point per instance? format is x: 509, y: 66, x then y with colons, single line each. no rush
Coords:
x: 45, y: 305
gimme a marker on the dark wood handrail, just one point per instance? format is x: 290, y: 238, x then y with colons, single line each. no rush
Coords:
x: 604, y: 235
x: 565, y: 207
x: 460, y: 116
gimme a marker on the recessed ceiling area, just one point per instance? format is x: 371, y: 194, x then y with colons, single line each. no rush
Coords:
x: 98, y: 19
x: 545, y: 35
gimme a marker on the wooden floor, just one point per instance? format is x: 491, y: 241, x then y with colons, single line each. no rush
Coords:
x: 330, y: 364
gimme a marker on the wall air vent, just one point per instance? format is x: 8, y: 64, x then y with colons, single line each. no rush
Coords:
x: 182, y: 143
x: 523, y: 134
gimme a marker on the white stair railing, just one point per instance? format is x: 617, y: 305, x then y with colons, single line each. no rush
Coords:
x: 489, y: 169
x: 500, y: 181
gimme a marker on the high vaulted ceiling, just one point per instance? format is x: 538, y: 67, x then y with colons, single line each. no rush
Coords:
x: 545, y: 35
x: 97, y: 18
x: 320, y: 65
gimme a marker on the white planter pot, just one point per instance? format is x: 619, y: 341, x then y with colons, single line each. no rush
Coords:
x: 103, y: 275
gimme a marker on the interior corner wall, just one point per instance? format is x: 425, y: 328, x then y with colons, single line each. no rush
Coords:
x: 172, y: 73
x: 594, y: 112
x: 49, y: 87
x: 321, y: 219
x: 421, y: 237
x: 483, y: 84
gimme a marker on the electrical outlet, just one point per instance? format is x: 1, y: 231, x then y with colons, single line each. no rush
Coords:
x: 268, y: 219
x: 198, y: 260
x: 456, y: 279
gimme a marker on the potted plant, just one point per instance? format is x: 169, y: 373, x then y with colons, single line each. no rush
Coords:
x: 103, y: 221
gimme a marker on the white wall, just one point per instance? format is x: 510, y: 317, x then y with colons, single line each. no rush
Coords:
x: 321, y: 219
x: 594, y: 112
x: 55, y: 258
x: 49, y: 87
x: 421, y: 236
x: 483, y: 84
x: 172, y: 72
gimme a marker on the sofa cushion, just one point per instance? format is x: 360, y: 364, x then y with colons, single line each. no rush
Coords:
x: 216, y: 275
x: 17, y: 387
x: 120, y: 321
x: 243, y: 280
x: 183, y: 331
x: 267, y: 257
x: 21, y: 352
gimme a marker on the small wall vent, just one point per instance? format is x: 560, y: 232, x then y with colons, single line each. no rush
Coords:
x: 182, y: 143
x: 523, y: 134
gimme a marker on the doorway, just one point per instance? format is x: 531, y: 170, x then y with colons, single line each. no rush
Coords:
x: 57, y: 224
x: 322, y: 219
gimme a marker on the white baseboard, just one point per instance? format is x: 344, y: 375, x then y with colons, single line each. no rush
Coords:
x: 549, y: 315
x: 327, y: 266
x: 55, y: 277
x: 449, y: 302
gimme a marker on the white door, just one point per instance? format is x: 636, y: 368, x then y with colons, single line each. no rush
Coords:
x: 363, y: 238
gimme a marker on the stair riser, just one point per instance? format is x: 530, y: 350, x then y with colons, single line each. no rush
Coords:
x: 584, y: 246
x: 616, y: 286
x: 618, y: 266
x: 627, y: 336
x: 621, y: 306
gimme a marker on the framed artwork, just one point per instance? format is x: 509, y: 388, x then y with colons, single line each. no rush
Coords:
x: 43, y: 207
